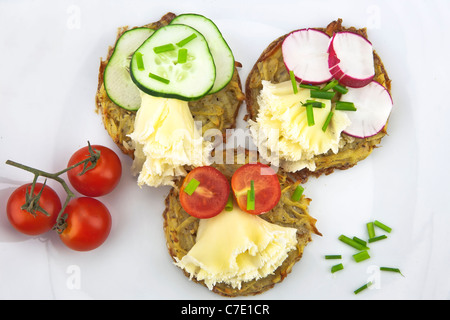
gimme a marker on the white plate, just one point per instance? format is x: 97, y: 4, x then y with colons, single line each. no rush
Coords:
x: 50, y: 56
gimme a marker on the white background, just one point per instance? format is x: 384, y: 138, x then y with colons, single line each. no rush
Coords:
x: 50, y: 53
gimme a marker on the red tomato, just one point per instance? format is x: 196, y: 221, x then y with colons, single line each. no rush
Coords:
x: 26, y: 222
x: 88, y: 224
x: 100, y: 180
x: 266, y: 184
x: 210, y: 197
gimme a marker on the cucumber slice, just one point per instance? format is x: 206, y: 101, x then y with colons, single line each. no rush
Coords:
x: 118, y: 84
x: 162, y: 75
x: 221, y: 52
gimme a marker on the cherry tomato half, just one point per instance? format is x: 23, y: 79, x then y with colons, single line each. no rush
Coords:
x: 26, y: 222
x: 210, y: 197
x: 266, y: 184
x: 88, y: 224
x: 100, y: 180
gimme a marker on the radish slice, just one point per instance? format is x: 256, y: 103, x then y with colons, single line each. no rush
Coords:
x: 305, y: 53
x: 373, y: 106
x: 351, y: 59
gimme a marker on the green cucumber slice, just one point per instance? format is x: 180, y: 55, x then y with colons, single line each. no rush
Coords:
x: 163, y: 76
x: 221, y: 52
x: 118, y: 84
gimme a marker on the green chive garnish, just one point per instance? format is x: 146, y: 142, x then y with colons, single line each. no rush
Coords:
x: 229, y: 205
x: 341, y: 89
x: 330, y: 85
x: 314, y: 104
x: 327, y: 121
x: 352, y: 243
x: 251, y: 196
x: 382, y: 226
x: 182, y: 55
x: 322, y: 94
x: 164, y: 48
x: 156, y: 77
x: 293, y: 81
x: 370, y: 230
x: 139, y: 61
x: 391, y: 269
x: 362, y: 287
x: 345, y: 106
x: 296, y: 196
x: 191, y: 186
x: 361, y: 256
x: 377, y: 238
x: 310, y: 114
x: 185, y: 41
x: 337, y: 267
x: 309, y: 86
x: 360, y: 241
x: 333, y: 256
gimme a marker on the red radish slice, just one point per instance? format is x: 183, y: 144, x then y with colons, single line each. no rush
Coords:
x: 351, y: 59
x: 373, y: 106
x: 305, y: 53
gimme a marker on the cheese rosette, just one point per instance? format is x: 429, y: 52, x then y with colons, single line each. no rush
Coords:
x: 166, y: 140
x: 235, y: 247
x: 281, y: 129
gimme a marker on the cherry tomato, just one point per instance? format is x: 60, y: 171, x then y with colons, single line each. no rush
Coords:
x: 37, y: 223
x: 266, y: 184
x: 88, y: 224
x: 210, y: 197
x: 100, y: 180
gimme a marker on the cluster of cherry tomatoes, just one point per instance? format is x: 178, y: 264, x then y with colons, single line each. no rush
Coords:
x: 85, y: 222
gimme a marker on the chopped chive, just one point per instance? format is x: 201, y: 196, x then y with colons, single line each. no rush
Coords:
x: 391, y: 269
x: 377, y: 238
x: 330, y: 85
x: 139, y: 61
x: 251, y: 196
x: 296, y: 196
x: 164, y: 48
x: 333, y: 256
x: 156, y: 77
x: 341, y: 89
x: 327, y: 121
x: 191, y: 186
x: 314, y: 104
x: 370, y: 230
x: 352, y: 243
x: 362, y: 287
x: 337, y: 267
x: 382, y: 226
x: 293, y: 81
x: 360, y: 241
x: 185, y: 41
x: 310, y: 115
x: 229, y: 205
x: 182, y: 55
x: 322, y: 94
x: 361, y: 256
x: 309, y: 86
x: 345, y: 106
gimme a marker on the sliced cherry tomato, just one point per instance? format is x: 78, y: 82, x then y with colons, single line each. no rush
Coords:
x: 101, y: 179
x: 266, y: 185
x: 210, y: 197
x: 88, y: 224
x: 37, y: 222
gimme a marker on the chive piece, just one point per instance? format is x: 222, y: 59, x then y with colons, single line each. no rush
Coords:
x: 377, y: 238
x: 362, y: 287
x: 370, y: 230
x: 139, y: 61
x: 293, y: 81
x: 361, y: 256
x: 382, y: 226
x: 330, y: 85
x: 310, y: 115
x: 229, y: 205
x: 156, y: 77
x: 182, y: 55
x: 360, y: 241
x: 322, y: 94
x: 341, y: 89
x: 185, y: 41
x: 327, y: 121
x: 333, y: 256
x: 391, y: 269
x: 164, y: 48
x: 345, y: 106
x: 314, y: 104
x: 296, y: 196
x: 191, y: 186
x: 309, y: 86
x: 251, y: 196
x: 337, y: 267
x: 352, y: 243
